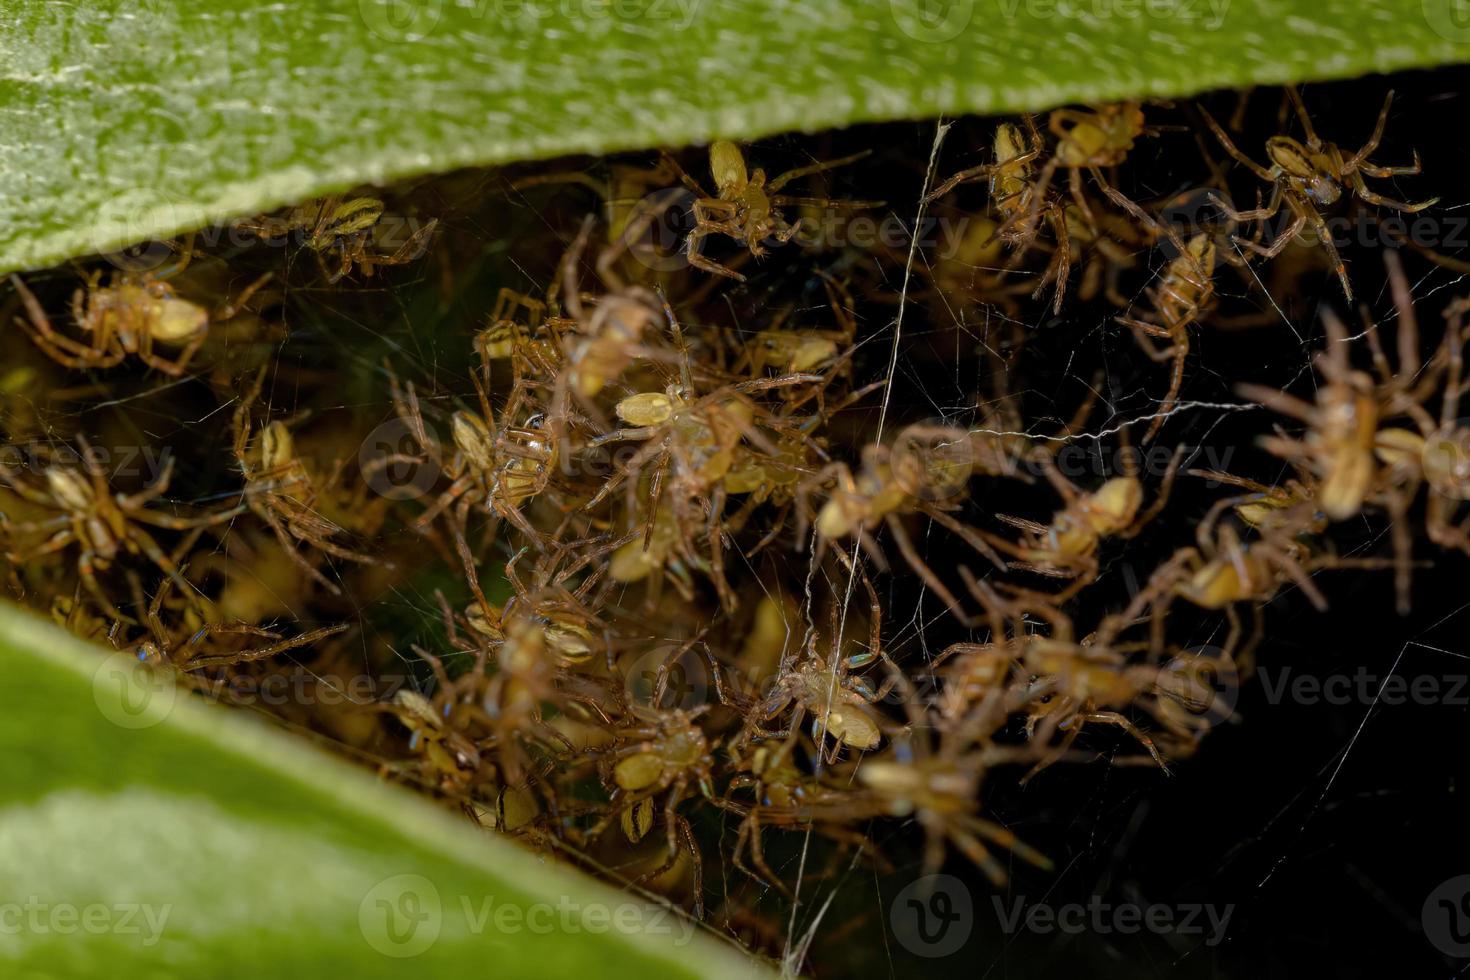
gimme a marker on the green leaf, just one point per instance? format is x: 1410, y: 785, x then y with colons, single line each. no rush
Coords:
x: 126, y: 120
x: 144, y: 833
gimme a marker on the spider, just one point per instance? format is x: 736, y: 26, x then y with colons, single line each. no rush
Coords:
x: 1308, y: 177
x: 1185, y: 291
x: 690, y: 443
x: 788, y: 798
x: 747, y: 206
x: 162, y: 648
x: 344, y: 227
x: 1344, y: 438
x: 498, y: 470
x: 839, y: 702
x: 101, y: 523
x: 608, y: 337
x: 1223, y: 570
x: 1074, y: 683
x: 533, y: 346
x: 880, y: 494
x: 1019, y: 200
x: 1067, y: 548
x: 667, y: 752
x: 940, y: 787
x: 132, y: 314
x: 281, y: 492
x: 1439, y: 453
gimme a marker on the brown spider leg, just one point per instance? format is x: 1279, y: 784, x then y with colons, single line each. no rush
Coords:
x: 969, y: 534
x: 1050, y: 757
x: 1357, y: 160
x: 970, y: 846
x: 513, y: 514
x: 1295, y: 572
x: 1294, y: 98
x: 786, y: 200
x: 1279, y: 401
x: 1403, y: 549
x: 289, y: 548
x: 1407, y: 170
x: 781, y: 181
x: 458, y: 490
x: 408, y: 251
x: 86, y: 567
x: 1177, y: 352
x: 963, y: 177
x: 1140, y: 215
x: 248, y: 656
x: 1059, y: 269
x: 1373, y: 197
x: 170, y: 522
x: 233, y: 308
x: 173, y: 368
x: 1258, y: 213
x: 717, y: 550
x: 1231, y: 149
x: 1166, y: 486
x: 1298, y: 221
x: 1079, y: 196
x: 911, y: 555
x: 60, y: 348
x: 144, y: 542
x: 696, y: 258
x: 750, y: 830
x: 50, y: 546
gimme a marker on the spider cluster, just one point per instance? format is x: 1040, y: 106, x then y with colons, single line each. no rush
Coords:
x: 694, y: 554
